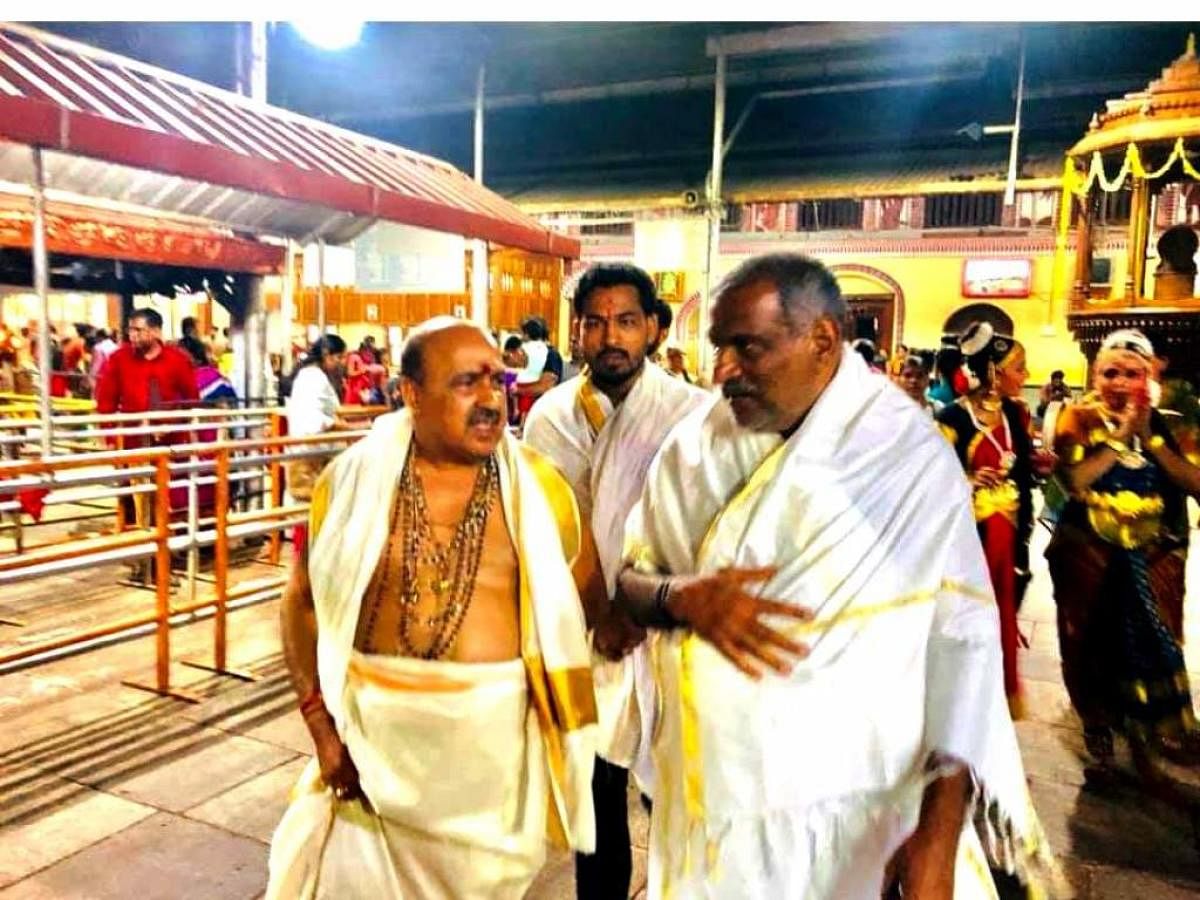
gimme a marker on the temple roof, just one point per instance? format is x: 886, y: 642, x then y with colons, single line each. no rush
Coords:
x: 1168, y: 109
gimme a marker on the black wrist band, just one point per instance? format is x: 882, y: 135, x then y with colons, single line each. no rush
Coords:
x: 655, y: 613
x: 661, y: 612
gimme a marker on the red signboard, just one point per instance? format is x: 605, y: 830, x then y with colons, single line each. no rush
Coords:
x: 100, y: 233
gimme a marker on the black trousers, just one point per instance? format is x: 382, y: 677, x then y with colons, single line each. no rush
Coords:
x: 605, y: 875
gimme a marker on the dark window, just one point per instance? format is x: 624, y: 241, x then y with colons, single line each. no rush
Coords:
x: 829, y: 215
x: 962, y: 210
x: 1101, y: 270
x: 625, y: 228
x: 1114, y: 208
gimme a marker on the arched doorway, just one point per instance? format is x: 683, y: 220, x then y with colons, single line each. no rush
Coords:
x: 874, y: 305
x: 961, y: 318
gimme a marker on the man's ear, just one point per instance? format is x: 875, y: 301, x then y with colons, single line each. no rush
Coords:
x: 826, y: 336
x: 652, y: 332
x: 408, y: 390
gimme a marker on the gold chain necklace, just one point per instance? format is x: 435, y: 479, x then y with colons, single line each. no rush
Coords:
x: 990, y: 403
x: 454, y: 565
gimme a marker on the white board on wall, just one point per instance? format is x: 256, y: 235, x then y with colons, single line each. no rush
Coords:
x: 339, y: 266
x: 392, y: 258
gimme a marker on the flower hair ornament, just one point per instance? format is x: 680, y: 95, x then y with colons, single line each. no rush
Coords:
x: 974, y: 341
x: 1131, y: 340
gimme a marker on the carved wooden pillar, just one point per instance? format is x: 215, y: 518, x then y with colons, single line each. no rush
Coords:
x: 1139, y: 231
x: 1082, y: 288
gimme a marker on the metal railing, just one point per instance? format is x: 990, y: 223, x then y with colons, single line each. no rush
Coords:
x: 148, y: 475
x: 83, y: 429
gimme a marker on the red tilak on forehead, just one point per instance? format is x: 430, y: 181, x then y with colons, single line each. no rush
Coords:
x: 607, y: 305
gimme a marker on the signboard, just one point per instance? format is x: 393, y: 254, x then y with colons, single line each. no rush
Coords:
x: 997, y: 278
x: 339, y: 266
x: 401, y: 259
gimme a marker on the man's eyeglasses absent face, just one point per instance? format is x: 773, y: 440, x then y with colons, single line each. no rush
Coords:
x: 143, y: 336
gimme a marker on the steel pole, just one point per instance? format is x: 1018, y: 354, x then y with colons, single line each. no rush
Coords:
x: 287, y: 304
x: 193, y: 520
x: 41, y: 284
x: 704, y: 349
x: 479, y: 249
x: 321, y: 285
x: 1010, y: 188
x: 258, y: 61
x: 480, y: 84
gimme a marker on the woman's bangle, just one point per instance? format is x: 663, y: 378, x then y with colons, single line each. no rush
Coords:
x: 1155, y: 441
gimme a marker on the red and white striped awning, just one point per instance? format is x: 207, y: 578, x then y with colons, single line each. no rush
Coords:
x: 126, y: 132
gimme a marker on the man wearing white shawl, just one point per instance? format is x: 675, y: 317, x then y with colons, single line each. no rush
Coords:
x: 437, y: 640
x: 840, y: 739
x: 602, y: 430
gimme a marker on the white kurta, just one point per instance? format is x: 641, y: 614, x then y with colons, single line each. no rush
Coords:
x: 604, y: 452
x: 803, y: 786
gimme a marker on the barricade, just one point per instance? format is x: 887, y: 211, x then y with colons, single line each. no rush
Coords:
x: 151, y: 473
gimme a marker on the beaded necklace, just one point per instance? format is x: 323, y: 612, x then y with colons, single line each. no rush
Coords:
x: 450, y: 569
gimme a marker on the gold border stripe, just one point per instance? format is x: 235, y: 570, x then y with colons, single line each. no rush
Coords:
x: 592, y: 410
x: 573, y: 697
x: 398, y: 681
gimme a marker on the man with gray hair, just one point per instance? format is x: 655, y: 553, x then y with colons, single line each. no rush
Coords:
x: 832, y: 717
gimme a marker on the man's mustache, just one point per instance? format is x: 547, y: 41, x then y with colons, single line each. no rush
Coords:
x: 481, y: 415
x: 613, y: 351
x: 733, y: 389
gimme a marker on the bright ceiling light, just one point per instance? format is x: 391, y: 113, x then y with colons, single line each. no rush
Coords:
x: 329, y: 33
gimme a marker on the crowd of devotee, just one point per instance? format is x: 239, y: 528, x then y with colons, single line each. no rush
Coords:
x: 80, y: 361
x: 781, y: 599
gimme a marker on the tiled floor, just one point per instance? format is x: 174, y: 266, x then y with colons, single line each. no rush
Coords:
x: 108, y: 792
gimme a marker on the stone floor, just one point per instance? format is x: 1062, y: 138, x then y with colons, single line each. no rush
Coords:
x: 110, y: 792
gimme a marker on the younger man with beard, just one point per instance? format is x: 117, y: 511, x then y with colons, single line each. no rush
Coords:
x: 602, y: 430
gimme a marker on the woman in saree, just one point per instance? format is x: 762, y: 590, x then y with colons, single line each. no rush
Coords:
x: 990, y: 433
x: 1117, y: 560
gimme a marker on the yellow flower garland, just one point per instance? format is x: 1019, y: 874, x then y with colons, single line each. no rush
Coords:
x: 1076, y: 183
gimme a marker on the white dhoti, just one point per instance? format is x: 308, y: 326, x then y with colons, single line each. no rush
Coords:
x: 470, y: 768
x: 450, y: 757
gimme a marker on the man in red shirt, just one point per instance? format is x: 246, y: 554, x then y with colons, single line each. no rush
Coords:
x: 141, y: 375
x: 146, y: 374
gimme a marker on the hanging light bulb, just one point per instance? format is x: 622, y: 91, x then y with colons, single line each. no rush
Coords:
x: 329, y: 32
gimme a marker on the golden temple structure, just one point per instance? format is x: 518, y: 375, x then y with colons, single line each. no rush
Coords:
x: 1142, y: 144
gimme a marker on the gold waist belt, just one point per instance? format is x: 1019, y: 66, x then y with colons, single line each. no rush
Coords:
x: 1125, y: 518
x: 1003, y: 500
